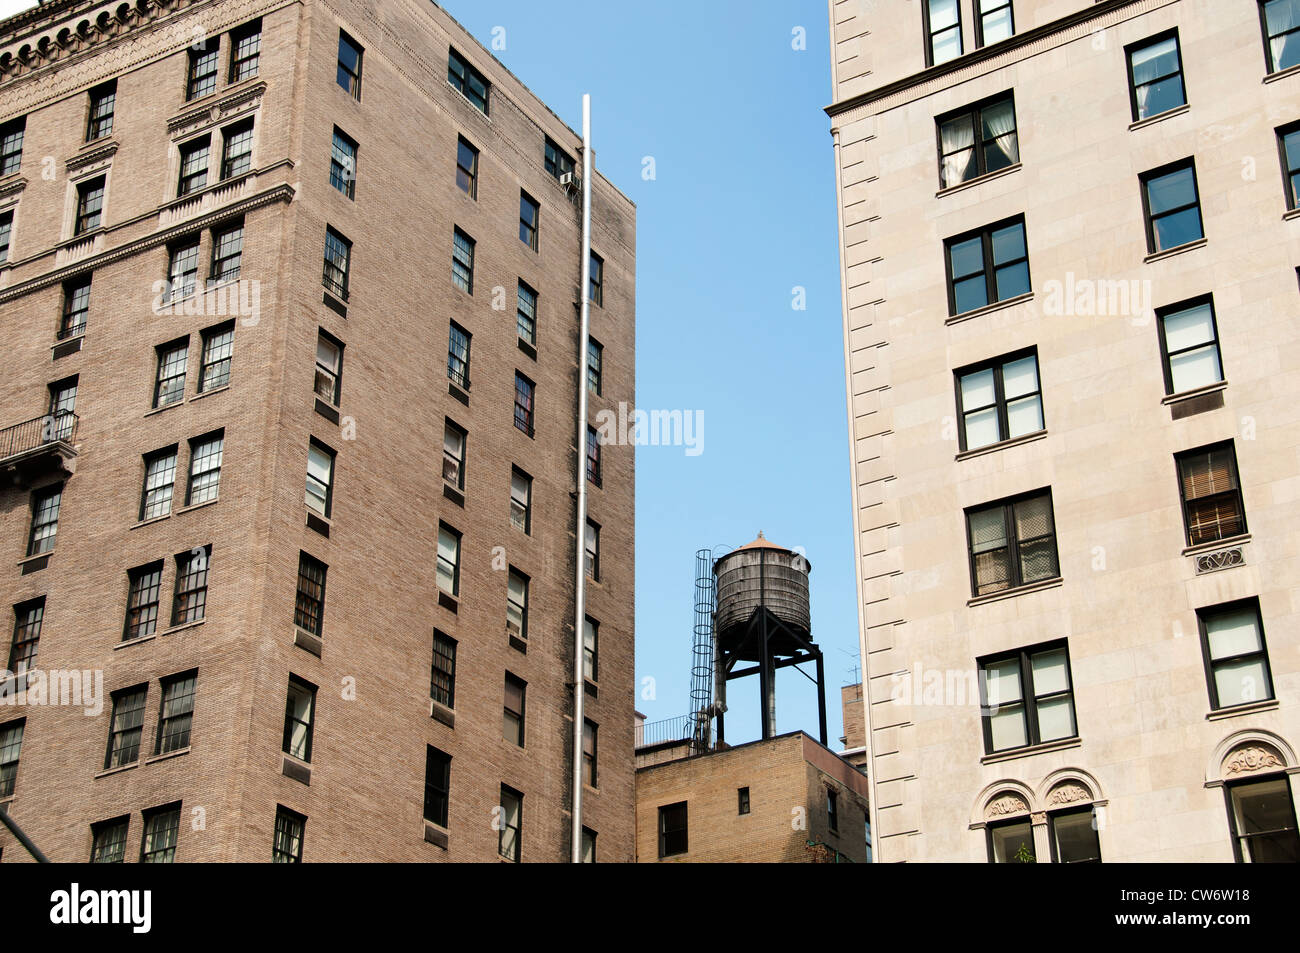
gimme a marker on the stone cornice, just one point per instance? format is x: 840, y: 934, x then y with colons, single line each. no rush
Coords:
x: 12, y: 186
x: 216, y: 109
x: 99, y: 154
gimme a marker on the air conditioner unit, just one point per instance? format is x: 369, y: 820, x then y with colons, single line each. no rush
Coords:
x: 512, y: 628
x: 571, y: 181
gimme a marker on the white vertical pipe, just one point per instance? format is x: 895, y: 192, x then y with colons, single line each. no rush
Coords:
x: 580, y: 575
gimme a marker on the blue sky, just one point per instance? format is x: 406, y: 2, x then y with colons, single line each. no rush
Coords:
x: 741, y: 211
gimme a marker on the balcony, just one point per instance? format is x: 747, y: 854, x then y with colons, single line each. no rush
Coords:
x: 37, y: 447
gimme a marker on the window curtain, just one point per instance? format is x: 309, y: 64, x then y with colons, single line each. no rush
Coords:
x: 957, y: 139
x: 1000, y: 121
x: 1281, y: 16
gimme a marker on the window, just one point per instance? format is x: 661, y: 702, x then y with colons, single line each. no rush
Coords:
x: 590, y: 648
x: 299, y: 715
x: 986, y: 266
x: 63, y: 401
x: 218, y: 343
x: 1172, y: 206
x: 108, y: 841
x: 45, y: 519
x: 320, y: 478
x: 143, y: 590
x: 90, y: 206
x: 521, y: 499
x: 338, y: 259
x: 524, y: 393
x: 176, y: 715
x: 1189, y: 345
x: 203, y: 70
x: 832, y: 810
x: 588, y: 846
x: 590, y: 731
x: 1027, y: 697
x: 11, y: 146
x: 993, y: 22
x: 1011, y: 842
x: 529, y: 216
x: 1281, y: 33
x: 672, y: 829
x: 194, y: 166
x: 442, y: 678
x: 595, y: 356
x: 512, y: 718
x: 512, y: 817
x: 556, y: 161
x: 11, y: 746
x: 76, y: 308
x: 1236, y: 658
x: 1208, y: 483
x: 1155, y: 76
x: 468, y: 80
x: 467, y: 168
x: 309, y: 608
x: 245, y: 49
x: 6, y: 231
x: 162, y: 827
x: 462, y: 261
x: 1012, y: 543
x: 159, y: 481
x: 517, y: 604
x: 999, y: 400
x: 227, y: 253
x: 1262, y: 816
x: 349, y: 74
x: 343, y: 164
x: 526, y: 315
x: 593, y: 455
x: 742, y: 800
x: 289, y: 829
x: 448, y: 571
x: 329, y: 368
x: 591, y: 556
x: 1289, y: 145
x: 453, y: 455
x: 237, y: 149
x: 977, y: 140
x: 1073, y: 836
x: 866, y: 823
x: 183, y: 272
x: 205, y: 468
x: 100, y: 121
x: 942, y: 31
x: 191, y: 599
x: 28, y: 617
x: 169, y: 388
x: 126, y: 727
x: 458, y: 355
x: 596, y: 287
x: 437, y: 785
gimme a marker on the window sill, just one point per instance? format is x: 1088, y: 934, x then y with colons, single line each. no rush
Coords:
x: 183, y: 626
x: 151, y: 521
x: 468, y: 102
x: 1001, y: 445
x: 1193, y: 393
x: 1045, y: 747
x: 990, y: 308
x: 170, y: 754
x: 36, y: 557
x: 1291, y: 214
x: 1176, y: 250
x: 118, y: 770
x: 436, y: 834
x: 158, y: 410
x: 136, y: 641
x: 1225, y: 543
x: 1017, y: 591
x: 208, y: 393
x: 198, y: 506
x: 978, y: 180
x: 1167, y: 114
x: 1281, y: 74
x: 1250, y: 708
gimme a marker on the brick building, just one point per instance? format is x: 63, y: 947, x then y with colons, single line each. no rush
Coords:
x: 786, y: 799
x: 252, y: 246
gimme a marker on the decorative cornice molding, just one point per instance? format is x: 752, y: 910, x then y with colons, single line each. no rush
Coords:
x: 99, y: 154
x: 1250, y: 758
x: 279, y: 193
x: 12, y: 187
x: 213, y: 112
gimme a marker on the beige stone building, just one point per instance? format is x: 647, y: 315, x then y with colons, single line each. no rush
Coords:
x: 254, y: 247
x: 1069, y: 249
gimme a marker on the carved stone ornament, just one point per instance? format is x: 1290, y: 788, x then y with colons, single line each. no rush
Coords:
x: 1006, y: 804
x: 1068, y: 793
x: 1253, y: 757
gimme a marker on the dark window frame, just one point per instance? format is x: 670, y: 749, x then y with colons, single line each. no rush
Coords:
x: 1290, y: 175
x: 455, y: 568
x: 1145, y: 180
x: 170, y: 817
x: 462, y: 76
x: 518, y: 798
x: 437, y: 786
x: 298, y: 688
x: 143, y: 583
x: 1022, y: 820
x: 985, y: 234
x: 191, y: 150
x: 442, y: 670
x: 29, y: 618
x: 89, y: 219
x: 1230, y: 787
x: 129, y: 702
x: 193, y: 573
x: 525, y: 413
x: 527, y: 504
x: 12, y: 135
x: 202, y: 66
x: 1166, y: 358
x: 930, y: 35
x: 457, y: 364
x: 336, y: 277
x: 149, y: 502
x: 1234, y: 489
x: 594, y: 575
x: 332, y: 376
x: 1203, y: 629
x: 590, y: 758
x: 530, y: 231
x: 309, y: 603
x: 11, y: 754
x: 200, y: 485
x: 353, y: 86
x: 593, y: 456
x: 290, y: 830
x: 1136, y: 47
x: 1052, y: 839
x: 344, y: 163
x: 512, y: 719
x: 832, y: 811
x: 1029, y: 698
x: 76, y: 307
x: 975, y: 113
x: 596, y: 286
x: 1007, y: 504
x: 462, y: 257
x: 183, y: 689
x: 321, y: 447
x: 668, y: 843
x: 242, y: 37
x: 1268, y: 49
x: 592, y: 655
x: 981, y: 13
x: 218, y: 348
x: 595, y: 365
x: 743, y: 805
x: 167, y: 375
x: 523, y: 319
x: 996, y: 365
x: 103, y: 102
x: 108, y: 840
x: 459, y: 463
x: 44, y: 515
x: 556, y: 161
x: 467, y: 178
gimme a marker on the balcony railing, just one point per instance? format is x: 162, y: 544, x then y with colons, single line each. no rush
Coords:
x: 661, y: 732
x: 31, y: 437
